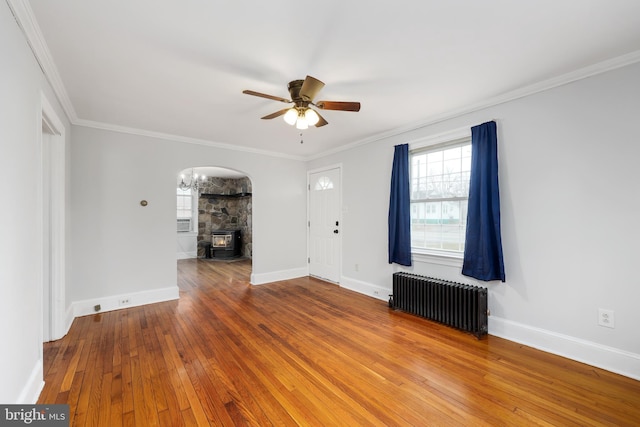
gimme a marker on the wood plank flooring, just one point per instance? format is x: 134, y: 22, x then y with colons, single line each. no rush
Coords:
x: 305, y: 352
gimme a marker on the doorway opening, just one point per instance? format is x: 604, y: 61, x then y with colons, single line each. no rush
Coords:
x: 52, y: 143
x: 211, y: 200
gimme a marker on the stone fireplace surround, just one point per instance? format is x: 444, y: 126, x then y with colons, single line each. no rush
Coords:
x: 225, y: 204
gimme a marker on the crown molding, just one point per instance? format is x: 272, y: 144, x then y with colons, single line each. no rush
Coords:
x: 580, y: 74
x: 27, y: 22
x: 179, y: 138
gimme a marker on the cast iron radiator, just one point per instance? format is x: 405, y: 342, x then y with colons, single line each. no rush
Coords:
x: 453, y: 304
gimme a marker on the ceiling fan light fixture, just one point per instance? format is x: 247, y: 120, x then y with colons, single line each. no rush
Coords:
x: 291, y: 116
x: 302, y: 123
x: 303, y: 93
x: 311, y: 117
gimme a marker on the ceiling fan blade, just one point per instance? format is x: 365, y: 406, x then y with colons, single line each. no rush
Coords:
x: 321, y: 122
x: 276, y: 114
x: 264, y: 95
x: 338, y: 105
x: 310, y: 88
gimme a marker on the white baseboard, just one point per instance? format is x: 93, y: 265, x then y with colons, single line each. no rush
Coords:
x: 86, y: 307
x: 32, y: 389
x: 68, y: 319
x: 276, y: 276
x: 365, y: 288
x: 594, y: 354
x: 187, y: 255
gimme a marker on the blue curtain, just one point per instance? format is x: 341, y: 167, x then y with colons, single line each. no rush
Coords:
x: 483, y: 244
x: 399, y: 208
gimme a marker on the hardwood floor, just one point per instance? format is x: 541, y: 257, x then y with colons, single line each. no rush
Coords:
x: 305, y: 352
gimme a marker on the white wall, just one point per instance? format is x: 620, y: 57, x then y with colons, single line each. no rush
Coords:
x: 121, y: 248
x: 569, y: 199
x: 21, y: 85
x: 187, y: 245
x: 115, y: 247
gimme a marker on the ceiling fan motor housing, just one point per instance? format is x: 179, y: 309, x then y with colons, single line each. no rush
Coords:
x: 294, y: 90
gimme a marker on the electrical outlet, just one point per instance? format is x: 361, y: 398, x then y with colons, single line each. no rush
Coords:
x: 124, y: 301
x: 605, y: 318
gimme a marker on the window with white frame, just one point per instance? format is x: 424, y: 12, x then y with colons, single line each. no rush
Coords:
x: 184, y: 209
x: 439, y: 194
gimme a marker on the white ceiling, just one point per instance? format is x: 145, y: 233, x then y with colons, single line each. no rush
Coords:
x: 179, y: 67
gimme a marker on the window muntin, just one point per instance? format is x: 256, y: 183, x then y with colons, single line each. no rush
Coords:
x: 184, y: 207
x: 439, y: 194
x: 323, y: 183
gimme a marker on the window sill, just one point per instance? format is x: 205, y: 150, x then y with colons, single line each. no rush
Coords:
x: 437, y: 257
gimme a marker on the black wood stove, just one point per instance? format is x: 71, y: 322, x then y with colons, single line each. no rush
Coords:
x: 226, y: 244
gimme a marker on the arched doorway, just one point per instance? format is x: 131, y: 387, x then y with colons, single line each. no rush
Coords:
x: 211, y: 200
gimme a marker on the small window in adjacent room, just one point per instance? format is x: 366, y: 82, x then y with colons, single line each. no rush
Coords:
x: 439, y: 193
x: 185, y: 209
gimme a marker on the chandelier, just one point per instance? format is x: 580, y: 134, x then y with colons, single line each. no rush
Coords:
x: 193, y: 183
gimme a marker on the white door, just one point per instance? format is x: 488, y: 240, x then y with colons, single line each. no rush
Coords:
x: 324, y: 224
